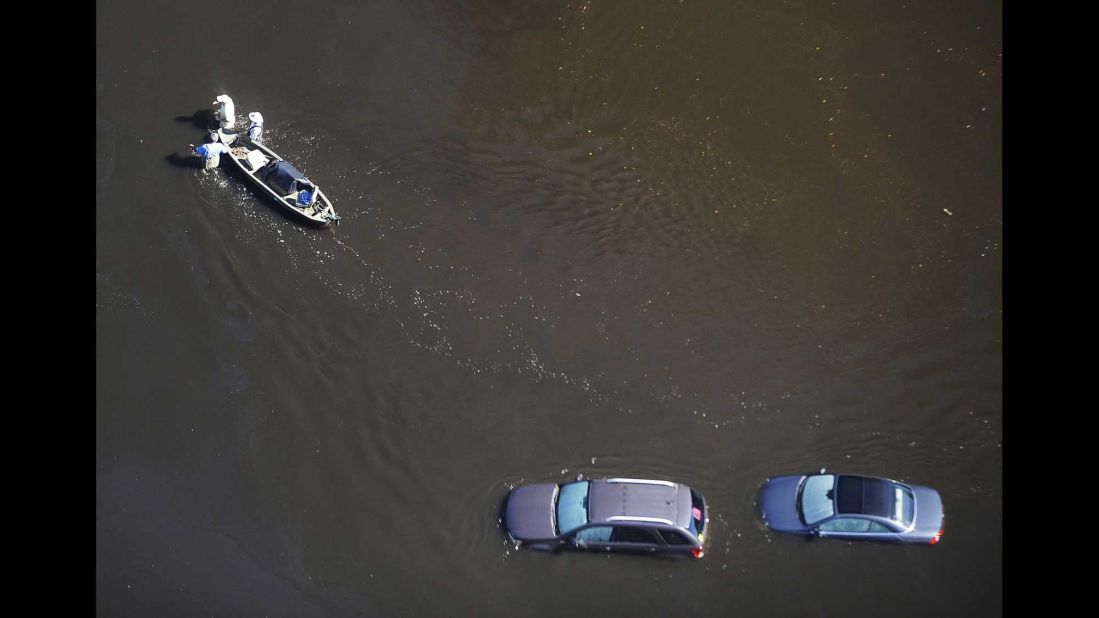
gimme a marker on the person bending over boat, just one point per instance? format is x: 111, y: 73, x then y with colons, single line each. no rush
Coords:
x: 227, y: 115
x: 255, y: 130
x: 211, y: 153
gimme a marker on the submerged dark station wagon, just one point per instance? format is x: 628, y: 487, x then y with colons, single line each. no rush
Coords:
x: 618, y: 514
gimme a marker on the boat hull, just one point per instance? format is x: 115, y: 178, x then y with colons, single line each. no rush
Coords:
x: 321, y: 214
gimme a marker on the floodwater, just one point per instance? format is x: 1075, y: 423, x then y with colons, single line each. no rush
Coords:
x: 709, y: 242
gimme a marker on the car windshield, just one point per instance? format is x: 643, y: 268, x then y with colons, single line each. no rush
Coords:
x: 572, y: 506
x: 816, y: 498
x: 904, y: 505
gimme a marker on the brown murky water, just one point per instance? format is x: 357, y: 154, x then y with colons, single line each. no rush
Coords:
x: 703, y: 241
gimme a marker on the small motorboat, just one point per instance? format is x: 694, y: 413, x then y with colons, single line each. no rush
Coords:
x: 282, y: 181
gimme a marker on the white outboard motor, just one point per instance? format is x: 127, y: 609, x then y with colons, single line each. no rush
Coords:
x: 228, y: 112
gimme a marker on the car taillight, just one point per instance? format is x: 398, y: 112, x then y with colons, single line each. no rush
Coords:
x: 935, y: 539
x: 696, y: 552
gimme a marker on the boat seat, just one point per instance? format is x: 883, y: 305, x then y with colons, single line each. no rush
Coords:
x: 256, y: 159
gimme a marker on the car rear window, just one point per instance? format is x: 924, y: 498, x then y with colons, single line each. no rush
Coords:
x: 698, y: 514
x: 904, y: 505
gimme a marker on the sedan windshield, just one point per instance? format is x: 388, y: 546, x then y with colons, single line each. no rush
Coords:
x: 816, y: 498
x: 572, y: 506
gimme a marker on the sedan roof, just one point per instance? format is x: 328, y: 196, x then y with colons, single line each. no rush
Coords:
x: 862, y: 495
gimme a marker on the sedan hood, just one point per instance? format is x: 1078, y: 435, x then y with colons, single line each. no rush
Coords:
x: 529, y: 513
x: 778, y: 503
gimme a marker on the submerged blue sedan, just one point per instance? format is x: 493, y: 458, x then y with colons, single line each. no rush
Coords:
x: 851, y: 507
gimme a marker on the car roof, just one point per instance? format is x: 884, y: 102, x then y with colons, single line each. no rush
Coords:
x: 864, y: 495
x: 633, y: 500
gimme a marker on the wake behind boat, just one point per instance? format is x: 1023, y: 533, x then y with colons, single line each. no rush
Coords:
x: 282, y: 181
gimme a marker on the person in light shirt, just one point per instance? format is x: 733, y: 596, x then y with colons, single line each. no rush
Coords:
x: 255, y: 130
x: 227, y: 115
x: 211, y: 153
